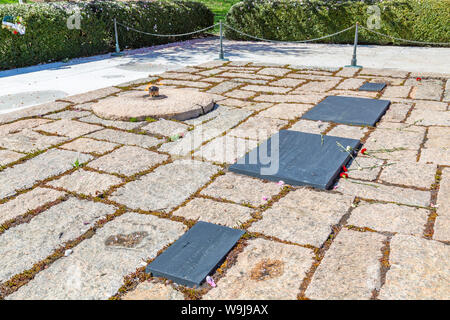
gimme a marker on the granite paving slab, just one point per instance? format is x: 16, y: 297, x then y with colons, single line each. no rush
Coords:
x: 153, y: 291
x: 438, y: 137
x: 442, y: 229
x: 241, y: 189
x: 287, y: 111
x: 195, y: 254
x: 397, y: 112
x: 86, y: 182
x: 33, y: 111
x: 41, y: 167
x: 351, y: 132
x: 266, y: 89
x: 427, y: 91
x: 396, y: 92
x: 127, y: 138
x: 277, y: 72
x: 202, y: 133
x: 304, y: 216
x: 166, y: 127
x: 258, y: 128
x: 265, y: 270
x: 371, y: 168
x: 350, y: 84
x: 7, y: 157
x: 309, y: 126
x: 392, y: 139
x: 37, y: 239
x: 239, y: 94
x: 352, y: 93
x: 429, y: 118
x: 225, y: 149
x: 68, y: 128
x: 435, y: 155
x: 17, y: 126
x: 28, y: 141
x: 68, y: 114
x: 28, y: 201
x: 89, y: 146
x: 297, y: 158
x: 165, y: 187
x: 444, y: 194
x: 128, y: 160
x: 406, y: 173
x: 349, y: 110
x: 287, y: 82
x: 124, y: 125
x: 224, y: 87
x: 389, y: 217
x: 227, y: 214
x: 97, y: 266
x: 350, y: 269
x: 377, y: 191
x: 285, y: 98
x: 214, y: 113
x: 316, y: 86
x: 419, y: 270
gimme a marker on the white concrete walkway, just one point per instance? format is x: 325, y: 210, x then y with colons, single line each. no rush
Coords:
x: 24, y: 87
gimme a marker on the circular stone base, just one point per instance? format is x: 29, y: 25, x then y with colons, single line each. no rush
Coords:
x: 177, y: 104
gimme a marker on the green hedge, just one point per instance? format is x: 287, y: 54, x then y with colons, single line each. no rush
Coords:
x: 423, y: 20
x: 48, y: 38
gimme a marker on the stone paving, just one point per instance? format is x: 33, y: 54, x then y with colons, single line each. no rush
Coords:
x: 86, y: 203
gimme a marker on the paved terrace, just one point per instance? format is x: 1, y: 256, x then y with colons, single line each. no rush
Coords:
x: 86, y: 203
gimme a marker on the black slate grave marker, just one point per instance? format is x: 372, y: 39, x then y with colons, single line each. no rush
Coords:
x: 304, y: 159
x: 372, y: 86
x: 349, y: 110
x: 195, y: 254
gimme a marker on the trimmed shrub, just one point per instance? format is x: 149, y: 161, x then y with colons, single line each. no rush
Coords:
x: 421, y: 20
x: 48, y: 37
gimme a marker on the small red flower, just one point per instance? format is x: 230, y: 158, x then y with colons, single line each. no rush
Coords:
x: 363, y: 151
x: 15, y: 32
x: 344, y: 168
x: 344, y: 175
x: 418, y: 79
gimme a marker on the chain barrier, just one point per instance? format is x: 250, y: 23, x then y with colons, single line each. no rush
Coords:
x: 405, y: 40
x: 278, y: 41
x: 221, y: 24
x: 167, y: 35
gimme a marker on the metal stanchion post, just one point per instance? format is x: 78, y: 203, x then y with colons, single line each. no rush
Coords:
x: 221, y: 55
x: 355, y: 45
x: 117, y: 53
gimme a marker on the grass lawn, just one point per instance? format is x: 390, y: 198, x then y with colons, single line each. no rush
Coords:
x: 219, y: 8
x: 9, y: 1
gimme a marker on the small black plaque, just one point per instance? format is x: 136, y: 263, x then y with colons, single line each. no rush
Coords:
x: 372, y: 86
x: 349, y: 110
x: 195, y: 254
x: 304, y: 159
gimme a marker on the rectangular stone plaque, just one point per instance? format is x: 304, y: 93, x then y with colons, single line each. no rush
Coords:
x: 195, y: 254
x: 372, y: 86
x: 303, y: 159
x: 349, y: 110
